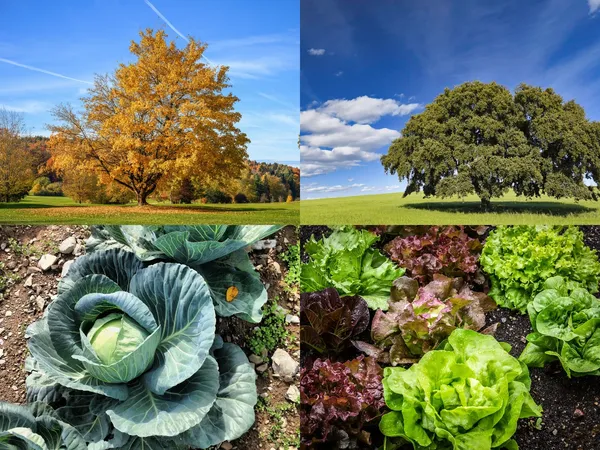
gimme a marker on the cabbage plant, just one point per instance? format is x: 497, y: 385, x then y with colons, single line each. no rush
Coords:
x: 214, y: 251
x: 128, y: 353
x: 36, y: 427
x: 468, y: 395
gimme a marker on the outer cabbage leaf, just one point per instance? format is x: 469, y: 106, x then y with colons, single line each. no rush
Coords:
x: 337, y: 400
x: 468, y: 395
x: 520, y: 259
x: 420, y: 318
x: 566, y: 323
x: 36, y: 427
x: 215, y: 251
x: 329, y: 322
x: 345, y: 261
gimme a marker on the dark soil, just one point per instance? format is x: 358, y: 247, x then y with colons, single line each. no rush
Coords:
x: 18, y: 308
x: 571, y: 417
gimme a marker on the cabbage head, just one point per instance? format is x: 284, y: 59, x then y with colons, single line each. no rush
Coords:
x: 127, y: 353
x: 468, y: 395
x: 217, y: 252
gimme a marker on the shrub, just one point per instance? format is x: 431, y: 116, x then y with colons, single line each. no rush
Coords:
x: 216, y: 196
x: 240, y: 198
x: 468, y: 395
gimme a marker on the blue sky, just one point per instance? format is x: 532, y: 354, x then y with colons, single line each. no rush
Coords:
x: 259, y: 40
x: 367, y: 66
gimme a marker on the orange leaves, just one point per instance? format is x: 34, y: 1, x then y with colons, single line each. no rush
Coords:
x: 166, y: 110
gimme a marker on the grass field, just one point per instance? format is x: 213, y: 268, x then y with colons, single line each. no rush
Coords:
x: 392, y: 209
x: 34, y: 210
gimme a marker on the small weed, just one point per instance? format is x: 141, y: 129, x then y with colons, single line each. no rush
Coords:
x: 50, y: 246
x: 292, y: 258
x: 271, y: 332
x: 277, y: 433
x: 7, y: 279
x: 23, y: 249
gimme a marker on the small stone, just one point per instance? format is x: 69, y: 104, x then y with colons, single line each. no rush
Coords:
x: 284, y: 365
x: 293, y: 394
x: 65, y: 268
x: 265, y: 244
x: 14, y: 388
x: 67, y: 246
x: 255, y: 359
x: 226, y: 445
x: 47, y: 261
x: 262, y: 368
x: 40, y: 302
x: 578, y: 413
x: 555, y: 432
x: 29, y: 281
x: 276, y: 267
x: 8, y: 313
x: 11, y: 265
x: 292, y: 319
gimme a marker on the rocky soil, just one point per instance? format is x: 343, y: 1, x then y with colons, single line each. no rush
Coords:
x: 32, y: 260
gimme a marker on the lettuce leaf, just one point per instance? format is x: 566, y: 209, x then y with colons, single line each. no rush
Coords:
x: 347, y: 262
x: 520, y: 259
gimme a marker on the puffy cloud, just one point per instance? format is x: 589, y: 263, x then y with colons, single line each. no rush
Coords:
x: 594, y: 5
x: 316, y: 51
x: 327, y: 189
x: 367, y: 109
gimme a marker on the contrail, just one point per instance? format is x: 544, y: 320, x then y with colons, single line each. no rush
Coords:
x: 54, y: 74
x: 159, y: 14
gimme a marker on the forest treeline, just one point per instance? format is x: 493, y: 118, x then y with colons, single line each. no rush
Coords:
x: 259, y: 182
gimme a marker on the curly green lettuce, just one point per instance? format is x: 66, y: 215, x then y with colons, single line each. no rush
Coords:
x: 520, y: 259
x: 468, y: 395
x: 346, y: 261
x: 566, y: 323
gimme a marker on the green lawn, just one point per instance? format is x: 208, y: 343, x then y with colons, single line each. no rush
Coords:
x: 392, y: 209
x: 62, y: 210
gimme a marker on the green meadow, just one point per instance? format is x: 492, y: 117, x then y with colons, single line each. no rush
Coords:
x: 39, y: 210
x: 392, y: 209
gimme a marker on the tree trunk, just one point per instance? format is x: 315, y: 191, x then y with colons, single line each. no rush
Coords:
x: 142, y: 198
x: 486, y: 204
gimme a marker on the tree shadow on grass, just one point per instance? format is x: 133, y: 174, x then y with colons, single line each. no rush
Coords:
x: 533, y: 207
x: 38, y: 206
x: 215, y: 209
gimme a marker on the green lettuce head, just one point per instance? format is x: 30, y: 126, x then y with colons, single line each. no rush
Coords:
x: 566, y: 323
x: 468, y: 395
x: 128, y: 355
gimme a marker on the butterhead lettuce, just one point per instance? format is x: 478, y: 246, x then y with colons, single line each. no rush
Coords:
x: 467, y: 395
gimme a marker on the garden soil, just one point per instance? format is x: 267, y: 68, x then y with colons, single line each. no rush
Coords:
x: 23, y: 301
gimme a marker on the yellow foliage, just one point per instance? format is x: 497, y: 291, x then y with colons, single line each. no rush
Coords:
x: 163, y: 116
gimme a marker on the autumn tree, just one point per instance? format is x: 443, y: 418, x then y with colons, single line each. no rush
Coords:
x: 164, y: 115
x: 479, y: 138
x: 16, y: 176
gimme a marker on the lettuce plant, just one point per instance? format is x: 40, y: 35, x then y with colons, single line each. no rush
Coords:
x: 214, y: 251
x: 520, y: 259
x: 129, y: 354
x: 329, y: 322
x: 337, y: 400
x: 347, y: 262
x: 566, y: 324
x: 468, y: 395
x: 36, y: 427
x: 446, y: 250
x: 419, y: 318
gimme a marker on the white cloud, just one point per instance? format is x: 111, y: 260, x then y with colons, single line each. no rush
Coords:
x: 367, y: 109
x: 340, y: 73
x: 350, y: 180
x: 316, y: 51
x: 28, y: 107
x: 594, y: 5
x: 338, y: 134
x: 327, y: 189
